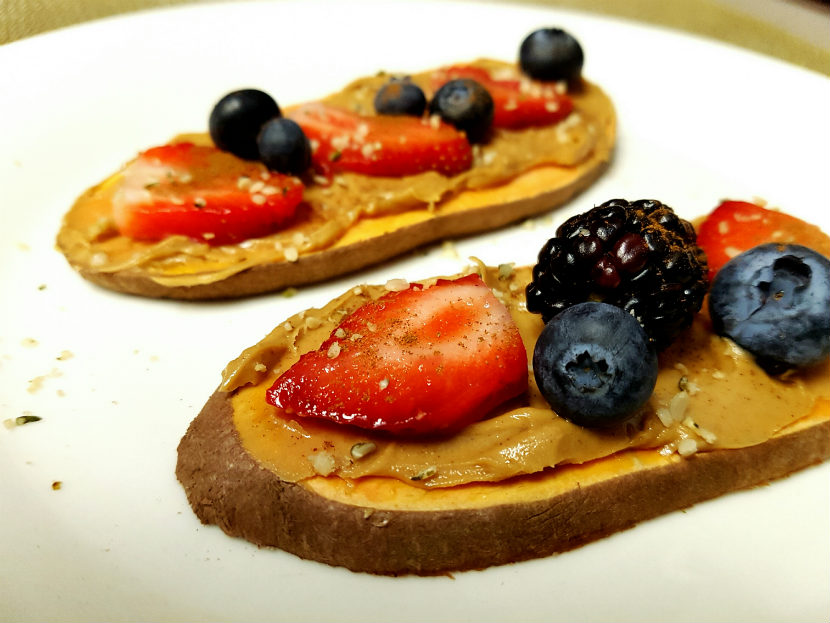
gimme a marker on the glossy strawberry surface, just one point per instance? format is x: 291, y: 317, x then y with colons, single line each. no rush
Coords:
x: 417, y: 361
x: 382, y: 145
x: 518, y: 101
x: 203, y: 193
x: 737, y: 226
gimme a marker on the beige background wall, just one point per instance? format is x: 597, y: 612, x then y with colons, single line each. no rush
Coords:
x: 797, y: 31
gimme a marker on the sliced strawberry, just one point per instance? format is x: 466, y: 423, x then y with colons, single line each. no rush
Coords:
x: 383, y: 145
x: 417, y: 361
x: 737, y: 226
x: 518, y: 101
x: 201, y: 192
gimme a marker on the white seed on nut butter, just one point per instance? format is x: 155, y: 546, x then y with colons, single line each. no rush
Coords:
x: 704, y: 433
x: 362, y: 449
x: 664, y: 415
x: 425, y: 473
x: 99, y: 259
x: 291, y: 254
x: 678, y: 406
x: 397, y: 285
x: 505, y: 271
x: 322, y: 463
x: 675, y: 411
x: 687, y: 447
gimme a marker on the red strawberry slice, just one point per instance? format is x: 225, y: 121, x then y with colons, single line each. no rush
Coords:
x: 737, y: 226
x: 201, y: 192
x: 518, y: 101
x: 418, y: 361
x: 383, y: 145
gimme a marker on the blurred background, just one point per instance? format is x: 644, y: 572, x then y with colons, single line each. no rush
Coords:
x: 797, y: 31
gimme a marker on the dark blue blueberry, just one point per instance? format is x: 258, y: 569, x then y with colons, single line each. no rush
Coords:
x: 774, y: 301
x: 284, y: 147
x: 465, y: 104
x: 237, y: 118
x: 594, y: 364
x: 551, y: 54
x: 400, y: 97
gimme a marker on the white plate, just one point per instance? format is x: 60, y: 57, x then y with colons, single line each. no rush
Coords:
x: 117, y: 379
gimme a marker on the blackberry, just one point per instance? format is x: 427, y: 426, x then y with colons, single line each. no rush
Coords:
x: 639, y: 256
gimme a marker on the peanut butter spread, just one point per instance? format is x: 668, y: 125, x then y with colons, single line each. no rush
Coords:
x: 333, y: 210
x: 709, y: 395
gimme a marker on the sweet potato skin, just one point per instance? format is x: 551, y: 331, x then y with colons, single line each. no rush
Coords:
x: 226, y: 487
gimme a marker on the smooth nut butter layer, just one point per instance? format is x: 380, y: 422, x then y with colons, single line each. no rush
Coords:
x: 710, y: 395
x: 349, y: 208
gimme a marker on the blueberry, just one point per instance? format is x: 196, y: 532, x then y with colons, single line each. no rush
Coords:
x: 594, y: 364
x: 284, y: 147
x: 551, y: 54
x: 400, y: 97
x: 774, y: 301
x: 465, y: 104
x: 236, y: 120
